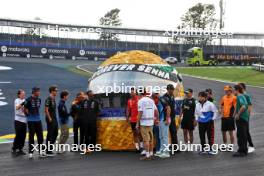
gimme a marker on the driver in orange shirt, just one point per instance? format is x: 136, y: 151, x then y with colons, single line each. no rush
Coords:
x: 227, y: 108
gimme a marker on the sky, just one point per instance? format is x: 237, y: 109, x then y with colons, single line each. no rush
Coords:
x: 240, y: 16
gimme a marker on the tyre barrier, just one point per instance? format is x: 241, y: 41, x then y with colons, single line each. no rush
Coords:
x: 258, y: 67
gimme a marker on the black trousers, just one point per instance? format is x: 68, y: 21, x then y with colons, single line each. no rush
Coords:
x: 242, y: 138
x: 52, y: 128
x: 90, y: 130
x: 206, y: 129
x: 76, y: 127
x: 35, y: 128
x: 21, y: 132
x: 250, y: 143
x: 173, y: 131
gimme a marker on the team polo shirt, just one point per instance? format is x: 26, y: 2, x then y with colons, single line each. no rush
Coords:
x: 248, y: 98
x: 242, y: 101
x: 167, y: 100
x: 228, y: 104
x: 147, y: 106
x: 188, y: 108
x: 50, y: 103
x: 132, y: 106
x: 89, y: 110
x: 33, y: 105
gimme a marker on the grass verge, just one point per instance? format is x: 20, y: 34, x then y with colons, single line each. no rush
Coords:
x: 236, y: 74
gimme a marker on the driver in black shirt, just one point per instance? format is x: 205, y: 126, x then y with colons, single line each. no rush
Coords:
x: 51, y: 119
x: 89, y: 111
x: 168, y: 101
x: 187, y: 114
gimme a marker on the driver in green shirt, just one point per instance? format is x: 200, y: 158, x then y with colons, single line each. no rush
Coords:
x: 242, y: 118
x: 251, y: 147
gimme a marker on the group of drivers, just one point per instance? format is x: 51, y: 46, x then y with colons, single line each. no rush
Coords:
x: 234, y: 109
x: 84, y: 110
x: 152, y: 118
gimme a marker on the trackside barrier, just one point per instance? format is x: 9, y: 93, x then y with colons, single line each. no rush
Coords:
x: 258, y: 67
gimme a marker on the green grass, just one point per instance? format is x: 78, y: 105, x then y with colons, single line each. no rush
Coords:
x: 79, y: 72
x: 236, y: 74
x: 3, y: 141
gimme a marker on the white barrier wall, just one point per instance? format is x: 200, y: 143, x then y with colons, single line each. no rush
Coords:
x: 258, y: 67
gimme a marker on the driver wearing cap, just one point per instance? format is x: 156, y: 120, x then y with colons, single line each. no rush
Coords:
x: 227, y: 108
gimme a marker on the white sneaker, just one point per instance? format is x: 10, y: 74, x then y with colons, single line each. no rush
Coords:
x: 158, y: 153
x: 164, y: 155
x: 212, y: 153
x: 50, y: 154
x: 141, y: 144
x: 251, y: 149
x: 30, y: 156
x: 202, y: 152
x: 86, y: 152
x: 143, y: 152
x: 42, y: 155
x: 61, y: 152
x: 137, y: 146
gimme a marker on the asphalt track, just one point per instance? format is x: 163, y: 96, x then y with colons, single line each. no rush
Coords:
x: 26, y: 75
x: 125, y: 163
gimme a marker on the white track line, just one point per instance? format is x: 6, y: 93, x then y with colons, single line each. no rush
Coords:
x: 87, y: 71
x: 5, y: 68
x: 3, y: 103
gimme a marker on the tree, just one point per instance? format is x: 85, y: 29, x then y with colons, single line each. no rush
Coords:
x: 200, y: 17
x: 111, y: 18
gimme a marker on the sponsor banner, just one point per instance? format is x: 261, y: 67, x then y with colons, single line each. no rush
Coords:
x: 14, y: 51
x: 235, y: 57
x: 36, y: 56
x: 54, y: 53
x: 163, y: 72
x: 96, y: 54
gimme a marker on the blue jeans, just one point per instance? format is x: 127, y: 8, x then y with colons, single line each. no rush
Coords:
x: 156, y: 136
x: 163, y: 135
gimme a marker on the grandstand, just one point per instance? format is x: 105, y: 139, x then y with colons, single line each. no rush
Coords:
x: 16, y: 39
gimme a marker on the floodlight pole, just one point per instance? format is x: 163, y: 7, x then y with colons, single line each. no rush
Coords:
x: 221, y: 5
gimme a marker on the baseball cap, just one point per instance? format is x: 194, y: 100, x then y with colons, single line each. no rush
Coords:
x: 188, y: 91
x: 227, y: 88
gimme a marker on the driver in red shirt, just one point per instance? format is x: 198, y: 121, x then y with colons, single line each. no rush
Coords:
x: 132, y: 115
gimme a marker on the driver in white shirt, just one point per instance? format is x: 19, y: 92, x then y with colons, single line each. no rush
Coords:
x: 148, y: 114
x: 20, y: 124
